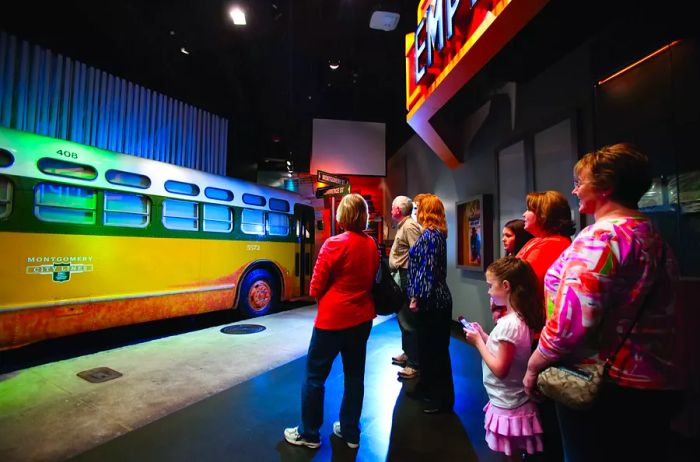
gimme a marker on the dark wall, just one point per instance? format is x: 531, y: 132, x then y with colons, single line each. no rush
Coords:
x: 654, y: 105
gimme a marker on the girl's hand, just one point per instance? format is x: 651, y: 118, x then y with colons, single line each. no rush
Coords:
x: 472, y: 336
x: 413, y: 305
x: 480, y: 330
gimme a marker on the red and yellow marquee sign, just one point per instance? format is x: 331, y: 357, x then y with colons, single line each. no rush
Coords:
x: 454, y: 39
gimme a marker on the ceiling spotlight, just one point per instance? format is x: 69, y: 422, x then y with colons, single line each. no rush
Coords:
x: 184, y: 51
x: 334, y: 64
x: 237, y: 15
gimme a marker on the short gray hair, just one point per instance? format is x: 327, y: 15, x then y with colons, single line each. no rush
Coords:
x: 404, y: 203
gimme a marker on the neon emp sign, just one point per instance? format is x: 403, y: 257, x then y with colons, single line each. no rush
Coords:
x: 453, y: 41
x: 444, y: 28
x: 436, y: 27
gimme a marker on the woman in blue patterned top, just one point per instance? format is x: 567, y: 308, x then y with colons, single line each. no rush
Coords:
x: 431, y: 300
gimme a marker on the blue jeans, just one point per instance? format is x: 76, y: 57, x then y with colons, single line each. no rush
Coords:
x: 325, y: 345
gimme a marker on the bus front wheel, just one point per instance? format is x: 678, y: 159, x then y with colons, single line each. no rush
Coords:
x: 258, y: 294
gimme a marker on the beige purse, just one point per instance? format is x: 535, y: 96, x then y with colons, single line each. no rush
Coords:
x: 575, y: 387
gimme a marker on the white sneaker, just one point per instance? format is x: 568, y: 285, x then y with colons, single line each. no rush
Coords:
x: 293, y: 436
x: 336, y: 432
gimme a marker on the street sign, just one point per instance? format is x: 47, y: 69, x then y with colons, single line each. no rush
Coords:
x: 328, y: 178
x: 337, y: 191
x: 321, y: 191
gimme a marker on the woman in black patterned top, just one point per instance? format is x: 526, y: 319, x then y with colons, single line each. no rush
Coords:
x: 431, y: 300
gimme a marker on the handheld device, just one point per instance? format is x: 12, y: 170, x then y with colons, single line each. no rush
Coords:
x: 467, y: 325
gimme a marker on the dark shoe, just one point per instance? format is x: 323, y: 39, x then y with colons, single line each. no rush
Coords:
x: 399, y: 360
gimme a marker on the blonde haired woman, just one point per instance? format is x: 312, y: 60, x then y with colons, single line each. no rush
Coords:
x: 342, y: 282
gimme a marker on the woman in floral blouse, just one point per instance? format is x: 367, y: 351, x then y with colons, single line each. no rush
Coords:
x: 593, y: 294
x: 431, y: 299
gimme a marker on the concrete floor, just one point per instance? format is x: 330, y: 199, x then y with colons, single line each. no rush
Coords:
x: 203, y: 395
x: 244, y: 423
x: 48, y: 413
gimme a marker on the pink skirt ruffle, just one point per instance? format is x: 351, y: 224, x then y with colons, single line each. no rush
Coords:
x: 513, y: 430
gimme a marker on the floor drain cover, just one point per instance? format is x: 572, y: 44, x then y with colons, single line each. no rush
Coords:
x: 239, y: 329
x: 99, y: 374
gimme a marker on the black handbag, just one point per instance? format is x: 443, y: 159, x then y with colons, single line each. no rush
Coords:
x: 388, y: 296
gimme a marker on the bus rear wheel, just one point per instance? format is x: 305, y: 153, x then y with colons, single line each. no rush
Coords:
x: 258, y: 295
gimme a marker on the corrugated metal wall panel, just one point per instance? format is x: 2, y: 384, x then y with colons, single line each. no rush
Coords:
x: 52, y: 95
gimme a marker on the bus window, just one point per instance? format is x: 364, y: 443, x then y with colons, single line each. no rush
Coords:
x: 68, y: 169
x: 64, y: 203
x: 5, y: 197
x: 124, y: 209
x: 182, y: 215
x: 277, y: 224
x: 133, y: 180
x: 217, y: 218
x: 178, y: 187
x: 253, y: 199
x: 6, y: 158
x: 218, y: 194
x: 279, y: 205
x: 253, y: 221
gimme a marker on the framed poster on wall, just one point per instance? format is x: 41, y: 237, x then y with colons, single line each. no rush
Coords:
x: 474, y: 233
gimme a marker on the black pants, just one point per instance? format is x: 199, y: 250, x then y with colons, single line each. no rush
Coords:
x: 435, y: 382
x: 625, y: 424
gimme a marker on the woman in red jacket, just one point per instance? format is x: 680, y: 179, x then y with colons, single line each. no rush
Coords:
x: 342, y: 282
x: 548, y: 218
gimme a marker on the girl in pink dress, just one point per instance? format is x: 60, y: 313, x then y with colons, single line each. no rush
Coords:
x: 512, y: 423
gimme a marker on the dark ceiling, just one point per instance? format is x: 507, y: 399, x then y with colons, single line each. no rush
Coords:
x: 270, y: 78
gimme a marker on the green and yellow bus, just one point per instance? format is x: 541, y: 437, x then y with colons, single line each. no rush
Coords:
x: 93, y: 239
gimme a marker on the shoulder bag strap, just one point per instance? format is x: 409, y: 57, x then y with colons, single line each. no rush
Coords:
x: 661, y: 266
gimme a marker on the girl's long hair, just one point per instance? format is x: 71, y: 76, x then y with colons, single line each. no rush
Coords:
x: 524, y: 296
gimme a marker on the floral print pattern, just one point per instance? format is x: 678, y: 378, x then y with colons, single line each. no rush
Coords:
x: 593, y: 294
x: 427, y: 272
